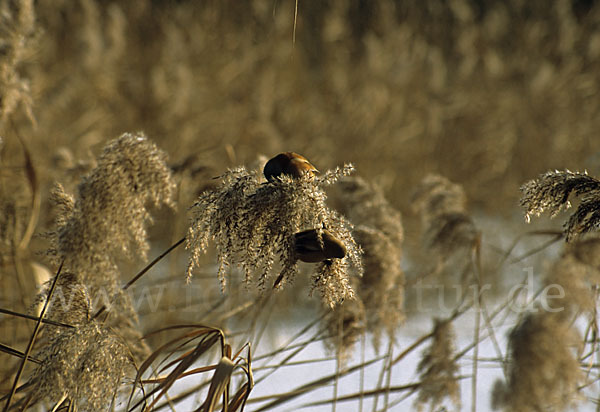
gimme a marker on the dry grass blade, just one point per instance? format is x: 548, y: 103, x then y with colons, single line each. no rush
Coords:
x: 478, y: 272
x: 386, y: 369
x: 198, y: 328
x: 297, y: 348
x: 179, y: 358
x: 183, y: 375
x: 238, y: 400
x: 210, y: 336
x: 182, y: 341
x: 218, y: 385
x: 180, y: 397
x: 241, y: 397
x: 32, y: 339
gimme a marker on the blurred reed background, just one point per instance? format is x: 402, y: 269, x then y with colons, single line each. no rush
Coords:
x: 445, y: 108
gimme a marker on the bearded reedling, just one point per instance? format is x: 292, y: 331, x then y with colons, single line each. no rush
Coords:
x: 317, y: 245
x: 288, y: 163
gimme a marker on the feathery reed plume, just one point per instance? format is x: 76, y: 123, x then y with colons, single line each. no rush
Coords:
x: 106, y: 221
x: 587, y: 251
x: 70, y: 303
x: 551, y: 191
x: 84, y: 366
x: 17, y: 27
x: 109, y: 213
x: 448, y: 231
x: 438, y: 368
x: 253, y: 223
x: 380, y: 234
x: 442, y: 206
x: 365, y: 204
x: 574, y: 275
x: 543, y: 370
x: 381, y: 288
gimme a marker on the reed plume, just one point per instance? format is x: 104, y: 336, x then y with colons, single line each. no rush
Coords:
x: 253, y: 225
x: 543, y: 370
x: 438, y: 368
x: 573, y: 279
x: 380, y: 234
x: 449, y: 235
x: 551, y: 193
x: 106, y: 221
x: 448, y: 229
x: 17, y: 36
x: 83, y: 366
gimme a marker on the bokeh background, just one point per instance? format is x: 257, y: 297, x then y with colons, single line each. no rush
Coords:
x: 486, y: 93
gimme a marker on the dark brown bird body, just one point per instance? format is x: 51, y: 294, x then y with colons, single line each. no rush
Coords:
x: 290, y: 164
x: 309, y: 249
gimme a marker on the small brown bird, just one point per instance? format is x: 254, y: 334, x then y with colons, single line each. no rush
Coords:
x: 309, y: 249
x: 288, y: 163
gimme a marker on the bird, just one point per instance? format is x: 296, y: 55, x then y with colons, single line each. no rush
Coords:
x: 290, y: 164
x: 309, y: 249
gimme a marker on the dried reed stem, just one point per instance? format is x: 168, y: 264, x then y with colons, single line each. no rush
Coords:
x: 32, y: 339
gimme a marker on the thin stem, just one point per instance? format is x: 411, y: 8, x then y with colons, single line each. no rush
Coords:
x: 32, y: 339
x: 154, y: 262
x: 143, y: 271
x: 19, y: 354
x: 295, y: 23
x: 30, y: 317
x: 388, y: 383
x: 475, y: 352
x: 478, y: 267
x: 363, y: 345
x: 457, y: 313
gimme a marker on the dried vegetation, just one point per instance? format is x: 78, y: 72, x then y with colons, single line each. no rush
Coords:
x: 456, y: 102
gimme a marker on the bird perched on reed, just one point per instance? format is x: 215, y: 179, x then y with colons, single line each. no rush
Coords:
x: 317, y: 245
x: 288, y: 163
